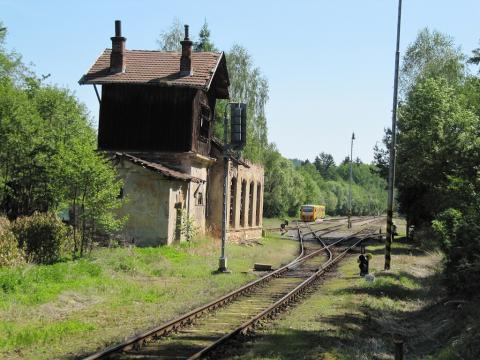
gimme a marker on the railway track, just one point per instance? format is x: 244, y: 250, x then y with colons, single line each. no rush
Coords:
x: 196, y: 334
x: 338, y: 220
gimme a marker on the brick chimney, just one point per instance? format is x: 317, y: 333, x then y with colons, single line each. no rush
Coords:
x: 186, y: 59
x: 118, y: 61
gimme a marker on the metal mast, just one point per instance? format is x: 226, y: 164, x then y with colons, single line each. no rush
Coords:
x: 349, y: 223
x: 222, y: 261
x: 391, y: 170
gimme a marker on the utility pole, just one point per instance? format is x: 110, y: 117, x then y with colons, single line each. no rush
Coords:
x: 349, y: 223
x: 391, y: 170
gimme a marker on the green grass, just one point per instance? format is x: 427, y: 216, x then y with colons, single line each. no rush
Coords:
x: 76, y: 307
x: 347, y: 317
x: 33, y: 334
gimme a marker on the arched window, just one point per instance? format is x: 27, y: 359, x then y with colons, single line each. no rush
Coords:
x: 259, y: 191
x: 233, y: 203
x: 242, y: 202
x: 250, y: 205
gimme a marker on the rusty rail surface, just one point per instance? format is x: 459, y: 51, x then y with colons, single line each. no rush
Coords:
x: 335, y: 220
x: 288, y: 298
x: 174, y: 324
x: 137, y: 341
x: 290, y: 227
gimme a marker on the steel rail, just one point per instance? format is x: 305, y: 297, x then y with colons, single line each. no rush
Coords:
x: 288, y: 227
x: 137, y: 340
x: 292, y: 295
x: 187, y: 318
x: 335, y: 227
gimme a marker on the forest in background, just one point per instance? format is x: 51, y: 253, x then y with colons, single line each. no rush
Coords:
x: 288, y: 183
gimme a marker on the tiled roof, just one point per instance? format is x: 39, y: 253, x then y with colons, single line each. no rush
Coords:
x: 157, y: 167
x: 156, y: 68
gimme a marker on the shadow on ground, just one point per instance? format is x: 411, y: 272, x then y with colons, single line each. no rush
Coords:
x: 368, y: 334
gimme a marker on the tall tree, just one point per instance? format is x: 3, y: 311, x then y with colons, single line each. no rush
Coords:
x: 438, y: 141
x: 48, y: 158
x: 432, y: 54
x: 325, y: 165
x: 204, y: 43
x: 169, y: 40
x: 438, y: 183
x: 247, y: 84
x: 475, y: 58
x: 381, y: 156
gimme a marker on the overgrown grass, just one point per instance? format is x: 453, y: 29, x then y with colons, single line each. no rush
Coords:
x: 75, y: 307
x: 34, y: 334
x: 350, y: 318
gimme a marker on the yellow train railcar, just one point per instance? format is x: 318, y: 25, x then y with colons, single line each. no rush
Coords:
x: 312, y: 212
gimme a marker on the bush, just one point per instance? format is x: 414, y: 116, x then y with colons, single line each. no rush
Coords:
x: 460, y: 235
x: 43, y: 236
x: 188, y: 228
x: 10, y: 254
x: 427, y: 237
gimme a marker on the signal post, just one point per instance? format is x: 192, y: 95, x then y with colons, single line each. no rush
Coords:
x: 238, y: 140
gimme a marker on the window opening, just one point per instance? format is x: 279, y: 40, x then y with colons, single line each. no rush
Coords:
x: 233, y: 193
x: 204, y: 121
x: 242, y: 203
x: 250, y: 205
x: 259, y: 190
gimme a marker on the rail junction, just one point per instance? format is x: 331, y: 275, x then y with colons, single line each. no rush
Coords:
x: 198, y: 333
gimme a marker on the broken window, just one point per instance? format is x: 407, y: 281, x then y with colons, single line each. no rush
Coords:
x: 198, y: 195
x: 204, y: 121
x: 199, y: 198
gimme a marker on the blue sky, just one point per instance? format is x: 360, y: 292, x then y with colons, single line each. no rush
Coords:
x: 329, y: 63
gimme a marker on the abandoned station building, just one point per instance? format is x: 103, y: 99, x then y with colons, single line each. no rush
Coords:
x: 156, y: 124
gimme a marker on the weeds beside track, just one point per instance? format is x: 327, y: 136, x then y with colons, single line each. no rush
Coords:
x: 199, y: 332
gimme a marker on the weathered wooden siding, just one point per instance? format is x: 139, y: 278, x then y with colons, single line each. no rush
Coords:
x: 139, y: 117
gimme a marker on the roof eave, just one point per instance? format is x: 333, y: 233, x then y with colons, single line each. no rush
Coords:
x: 82, y: 81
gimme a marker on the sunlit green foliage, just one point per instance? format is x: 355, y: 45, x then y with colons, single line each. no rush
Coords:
x: 438, y: 154
x: 288, y: 186
x: 48, y: 159
x: 169, y: 40
x: 248, y: 85
x: 204, y: 43
x: 433, y: 54
x: 53, y: 311
x: 10, y: 253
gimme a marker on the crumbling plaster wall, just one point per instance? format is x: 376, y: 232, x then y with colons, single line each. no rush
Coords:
x: 150, y: 205
x: 237, y: 229
x: 195, y: 165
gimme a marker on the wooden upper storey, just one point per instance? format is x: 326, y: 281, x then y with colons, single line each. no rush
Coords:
x: 153, y: 106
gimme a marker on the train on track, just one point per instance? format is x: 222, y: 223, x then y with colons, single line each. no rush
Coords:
x: 312, y: 212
